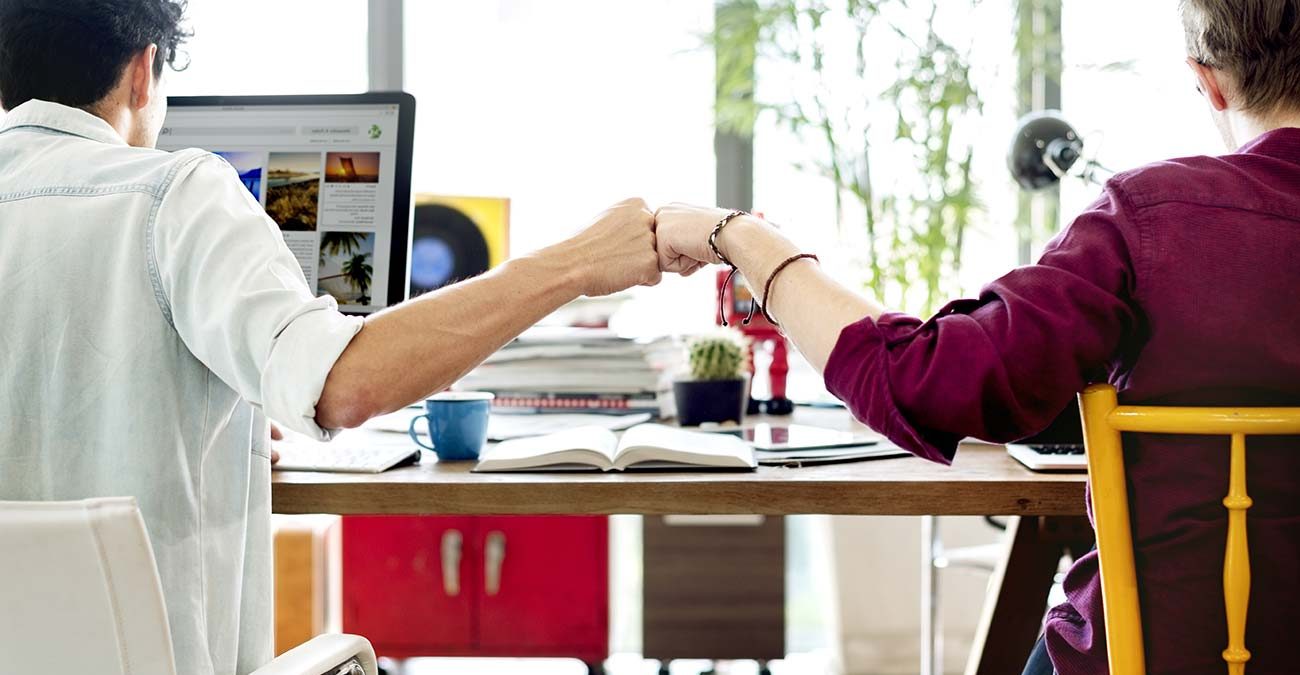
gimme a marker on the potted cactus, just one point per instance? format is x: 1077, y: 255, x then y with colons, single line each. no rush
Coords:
x: 718, y: 387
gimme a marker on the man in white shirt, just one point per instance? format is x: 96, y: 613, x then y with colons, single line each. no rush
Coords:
x: 154, y: 318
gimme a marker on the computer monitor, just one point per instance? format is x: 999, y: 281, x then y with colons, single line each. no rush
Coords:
x: 334, y: 172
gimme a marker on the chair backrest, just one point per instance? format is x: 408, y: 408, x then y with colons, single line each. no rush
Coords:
x: 79, y: 590
x: 1103, y: 422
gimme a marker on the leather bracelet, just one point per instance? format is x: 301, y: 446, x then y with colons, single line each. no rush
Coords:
x: 713, y: 245
x: 717, y: 229
x: 767, y: 288
x: 722, y: 313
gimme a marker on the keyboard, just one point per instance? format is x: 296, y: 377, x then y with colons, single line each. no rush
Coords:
x: 1050, y: 457
x: 339, y: 458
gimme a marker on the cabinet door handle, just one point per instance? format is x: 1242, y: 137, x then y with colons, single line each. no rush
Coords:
x: 451, y: 545
x: 494, y: 557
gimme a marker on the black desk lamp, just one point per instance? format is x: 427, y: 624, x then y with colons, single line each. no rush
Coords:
x: 1045, y: 149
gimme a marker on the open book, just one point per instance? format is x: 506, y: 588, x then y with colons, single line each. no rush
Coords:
x: 645, y: 446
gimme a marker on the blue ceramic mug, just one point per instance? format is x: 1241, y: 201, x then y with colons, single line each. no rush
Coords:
x: 458, y: 422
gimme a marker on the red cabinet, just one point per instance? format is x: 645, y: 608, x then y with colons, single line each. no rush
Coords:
x: 478, y: 586
x: 553, y: 590
x: 404, y: 582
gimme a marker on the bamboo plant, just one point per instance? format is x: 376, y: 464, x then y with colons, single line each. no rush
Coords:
x: 914, y: 235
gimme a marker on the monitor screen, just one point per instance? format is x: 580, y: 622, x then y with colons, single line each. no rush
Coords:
x: 334, y: 175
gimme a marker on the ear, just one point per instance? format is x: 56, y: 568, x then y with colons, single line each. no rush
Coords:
x: 1209, y: 84
x: 143, y: 82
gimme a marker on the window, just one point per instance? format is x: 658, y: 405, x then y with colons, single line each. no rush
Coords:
x: 1127, y: 89
x: 566, y: 108
x: 791, y: 191
x: 281, y: 47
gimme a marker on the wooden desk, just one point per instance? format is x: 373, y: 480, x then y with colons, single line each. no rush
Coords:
x: 983, y: 481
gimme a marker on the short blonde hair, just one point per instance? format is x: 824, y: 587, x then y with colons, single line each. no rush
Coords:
x: 1257, y: 42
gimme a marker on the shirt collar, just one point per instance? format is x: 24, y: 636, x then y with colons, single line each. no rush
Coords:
x: 1281, y: 143
x: 62, y: 118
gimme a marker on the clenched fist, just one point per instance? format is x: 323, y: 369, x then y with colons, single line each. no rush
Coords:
x: 683, y: 236
x: 617, y: 251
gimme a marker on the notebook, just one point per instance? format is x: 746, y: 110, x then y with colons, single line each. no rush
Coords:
x: 645, y: 446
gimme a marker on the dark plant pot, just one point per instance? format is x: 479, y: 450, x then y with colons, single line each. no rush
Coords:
x: 710, y: 401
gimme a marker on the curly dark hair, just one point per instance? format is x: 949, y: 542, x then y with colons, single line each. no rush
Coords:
x: 74, y: 51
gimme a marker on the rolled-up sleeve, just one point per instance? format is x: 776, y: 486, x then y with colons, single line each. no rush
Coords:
x: 238, y: 299
x: 1002, y: 366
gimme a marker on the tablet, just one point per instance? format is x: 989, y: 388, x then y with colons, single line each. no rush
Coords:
x: 776, y: 437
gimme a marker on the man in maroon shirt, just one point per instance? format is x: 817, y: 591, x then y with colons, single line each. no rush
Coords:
x: 1180, y: 285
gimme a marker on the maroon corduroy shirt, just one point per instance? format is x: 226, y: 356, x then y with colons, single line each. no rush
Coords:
x: 1180, y: 286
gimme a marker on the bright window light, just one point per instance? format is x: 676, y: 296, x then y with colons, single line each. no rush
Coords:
x: 280, y: 47
x: 1144, y: 110
x: 566, y: 108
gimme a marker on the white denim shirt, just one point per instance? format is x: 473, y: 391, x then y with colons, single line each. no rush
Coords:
x: 153, y: 320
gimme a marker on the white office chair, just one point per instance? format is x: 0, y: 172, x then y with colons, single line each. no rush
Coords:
x: 79, y: 593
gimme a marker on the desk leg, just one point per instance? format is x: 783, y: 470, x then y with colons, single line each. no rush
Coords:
x: 1013, y: 618
x: 931, y: 631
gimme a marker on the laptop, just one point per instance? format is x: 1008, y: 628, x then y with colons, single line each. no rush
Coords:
x: 1059, y: 447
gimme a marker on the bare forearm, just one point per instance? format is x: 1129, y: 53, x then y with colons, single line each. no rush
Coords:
x: 811, y: 307
x: 423, y: 346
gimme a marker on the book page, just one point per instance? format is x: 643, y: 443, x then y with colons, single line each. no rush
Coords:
x: 657, y: 443
x: 584, y: 445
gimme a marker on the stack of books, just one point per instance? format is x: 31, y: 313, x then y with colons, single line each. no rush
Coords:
x: 578, y: 370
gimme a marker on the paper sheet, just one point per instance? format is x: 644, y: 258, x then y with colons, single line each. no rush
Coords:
x: 503, y: 427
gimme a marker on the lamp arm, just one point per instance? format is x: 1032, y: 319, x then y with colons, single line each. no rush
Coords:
x: 1092, y: 168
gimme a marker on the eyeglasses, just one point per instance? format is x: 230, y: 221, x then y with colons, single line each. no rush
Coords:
x: 1201, y: 62
x: 180, y: 60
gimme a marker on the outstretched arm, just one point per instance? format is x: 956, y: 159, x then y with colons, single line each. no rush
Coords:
x: 239, y: 302
x: 999, y: 367
x: 423, y: 346
x: 812, y: 307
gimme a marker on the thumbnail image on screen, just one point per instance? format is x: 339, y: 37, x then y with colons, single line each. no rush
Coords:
x: 352, y: 167
x: 250, y: 166
x: 346, y: 269
x: 293, y: 190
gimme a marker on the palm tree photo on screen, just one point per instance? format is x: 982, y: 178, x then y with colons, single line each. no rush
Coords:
x: 345, y: 267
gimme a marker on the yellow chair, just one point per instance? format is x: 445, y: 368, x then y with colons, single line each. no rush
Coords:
x: 1103, y: 421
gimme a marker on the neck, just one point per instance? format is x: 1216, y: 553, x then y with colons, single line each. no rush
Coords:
x: 116, y: 116
x: 1246, y: 128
